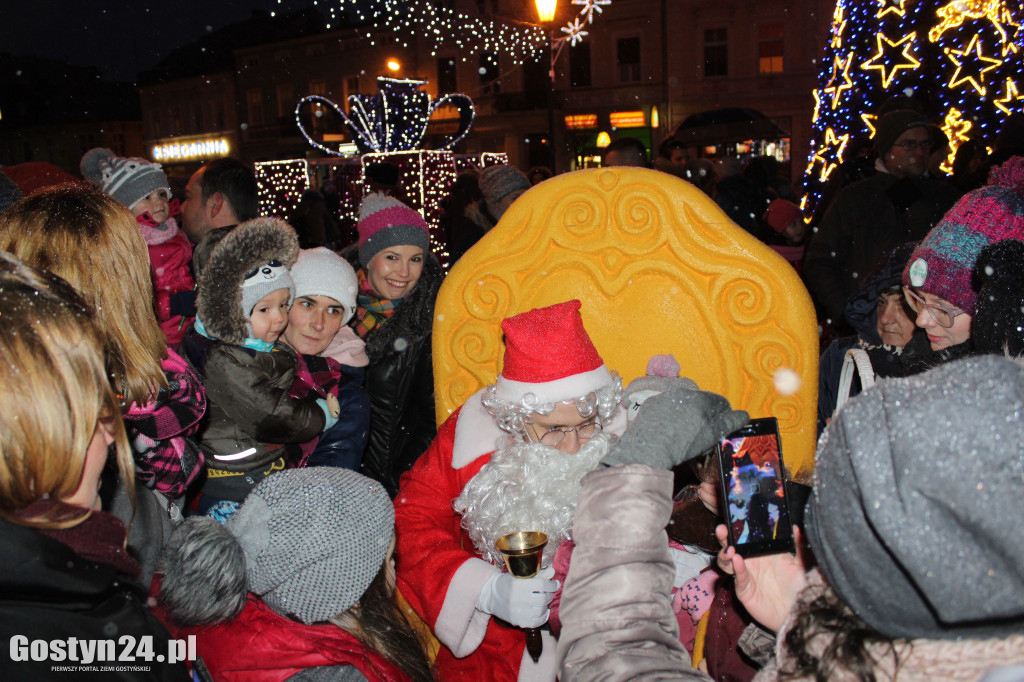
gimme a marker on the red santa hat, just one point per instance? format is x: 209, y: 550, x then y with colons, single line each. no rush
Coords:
x: 549, y: 355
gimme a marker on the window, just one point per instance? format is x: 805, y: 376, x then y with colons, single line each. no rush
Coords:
x: 446, y: 78
x: 285, y: 100
x: 318, y: 88
x: 628, y: 57
x: 489, y: 83
x: 770, y: 48
x: 254, y: 106
x: 351, y: 86
x: 716, y: 52
x: 579, y: 65
x: 315, y: 50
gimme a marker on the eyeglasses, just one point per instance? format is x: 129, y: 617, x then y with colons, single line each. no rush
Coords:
x: 942, y: 315
x: 911, y: 145
x: 584, y: 431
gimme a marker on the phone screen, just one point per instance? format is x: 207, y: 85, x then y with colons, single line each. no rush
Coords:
x: 754, y: 490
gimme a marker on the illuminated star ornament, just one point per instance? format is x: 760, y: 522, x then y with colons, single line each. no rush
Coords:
x: 869, y: 123
x: 591, y: 6
x: 973, y: 75
x: 831, y: 153
x: 894, y: 6
x: 838, y: 26
x: 1010, y: 96
x: 889, y: 56
x: 957, y: 130
x: 840, y: 69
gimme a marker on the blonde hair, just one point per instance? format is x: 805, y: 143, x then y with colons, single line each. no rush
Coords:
x: 92, y: 241
x: 56, y: 391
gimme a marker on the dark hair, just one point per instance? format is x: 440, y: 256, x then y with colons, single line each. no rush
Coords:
x: 668, y: 145
x: 628, y: 144
x: 237, y: 182
x: 381, y: 626
x: 846, y: 641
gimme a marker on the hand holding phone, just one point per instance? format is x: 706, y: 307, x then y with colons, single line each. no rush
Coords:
x: 754, y: 501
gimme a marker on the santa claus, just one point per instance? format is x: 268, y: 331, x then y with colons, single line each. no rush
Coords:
x: 510, y: 459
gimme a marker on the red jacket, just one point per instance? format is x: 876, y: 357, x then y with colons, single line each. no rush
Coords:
x: 171, y: 261
x: 441, y: 575
x: 261, y: 646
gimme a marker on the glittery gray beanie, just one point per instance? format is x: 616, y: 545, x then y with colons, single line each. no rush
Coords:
x: 127, y: 179
x: 915, y: 514
x: 308, y: 542
x: 497, y: 182
x: 314, y: 539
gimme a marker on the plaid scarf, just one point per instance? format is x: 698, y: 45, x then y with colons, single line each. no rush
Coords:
x: 315, y: 376
x: 371, y: 310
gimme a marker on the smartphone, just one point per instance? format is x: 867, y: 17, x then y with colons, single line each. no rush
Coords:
x: 755, y: 504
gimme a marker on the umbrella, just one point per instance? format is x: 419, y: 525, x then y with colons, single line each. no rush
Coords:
x: 722, y: 126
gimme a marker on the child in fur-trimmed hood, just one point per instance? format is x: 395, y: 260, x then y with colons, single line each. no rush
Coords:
x: 243, y: 298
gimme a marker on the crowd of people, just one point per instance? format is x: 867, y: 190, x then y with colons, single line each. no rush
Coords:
x: 219, y: 429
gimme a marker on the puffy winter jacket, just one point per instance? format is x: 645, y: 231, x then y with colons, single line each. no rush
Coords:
x: 400, y: 381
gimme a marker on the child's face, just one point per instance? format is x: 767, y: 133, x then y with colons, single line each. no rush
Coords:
x: 796, y: 230
x: 270, y: 316
x: 155, y: 204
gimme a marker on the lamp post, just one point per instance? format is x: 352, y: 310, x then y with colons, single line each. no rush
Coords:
x: 546, y: 18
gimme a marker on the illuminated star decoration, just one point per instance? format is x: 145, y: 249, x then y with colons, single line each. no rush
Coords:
x: 574, y: 32
x: 957, y: 130
x: 869, y: 123
x: 1011, y: 95
x: 887, y: 6
x: 839, y: 68
x: 591, y: 6
x: 838, y: 26
x: 889, y: 54
x: 817, y: 105
x: 969, y: 77
x: 1010, y: 44
x: 829, y: 160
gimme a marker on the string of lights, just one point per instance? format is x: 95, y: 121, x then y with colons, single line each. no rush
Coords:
x: 469, y: 35
x: 958, y: 59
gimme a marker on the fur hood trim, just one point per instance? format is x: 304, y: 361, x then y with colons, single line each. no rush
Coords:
x: 245, y: 248
x: 204, y: 569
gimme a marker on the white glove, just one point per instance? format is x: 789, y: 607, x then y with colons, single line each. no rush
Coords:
x: 519, y: 601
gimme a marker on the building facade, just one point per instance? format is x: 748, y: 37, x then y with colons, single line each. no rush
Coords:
x: 644, y: 66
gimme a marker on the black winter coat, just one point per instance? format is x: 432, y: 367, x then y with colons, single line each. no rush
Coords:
x: 47, y: 592
x: 400, y: 380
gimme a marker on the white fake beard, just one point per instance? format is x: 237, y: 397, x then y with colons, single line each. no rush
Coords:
x: 526, y: 486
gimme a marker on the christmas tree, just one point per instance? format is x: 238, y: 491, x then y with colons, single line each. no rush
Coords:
x: 960, y: 60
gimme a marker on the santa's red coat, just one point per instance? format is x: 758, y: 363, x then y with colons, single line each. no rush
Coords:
x: 441, y: 575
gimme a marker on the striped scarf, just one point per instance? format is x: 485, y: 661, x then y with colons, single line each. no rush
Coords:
x: 371, y: 310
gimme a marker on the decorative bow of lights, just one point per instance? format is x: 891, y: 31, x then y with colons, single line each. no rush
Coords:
x: 395, y: 119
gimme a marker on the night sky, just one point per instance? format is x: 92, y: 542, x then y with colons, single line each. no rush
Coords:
x: 120, y: 38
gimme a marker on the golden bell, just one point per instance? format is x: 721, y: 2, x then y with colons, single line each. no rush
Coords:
x: 522, y: 551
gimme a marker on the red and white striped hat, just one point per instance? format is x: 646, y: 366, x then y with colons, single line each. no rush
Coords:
x: 549, y: 354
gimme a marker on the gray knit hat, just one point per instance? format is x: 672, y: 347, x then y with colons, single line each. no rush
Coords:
x: 127, y: 179
x: 263, y: 280
x: 915, y: 514
x: 321, y: 272
x: 314, y: 539
x: 497, y: 182
x: 385, y: 222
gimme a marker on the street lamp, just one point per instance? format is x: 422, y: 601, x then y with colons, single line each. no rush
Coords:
x: 546, y: 17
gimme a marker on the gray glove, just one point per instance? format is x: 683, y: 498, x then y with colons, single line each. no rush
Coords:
x: 675, y: 426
